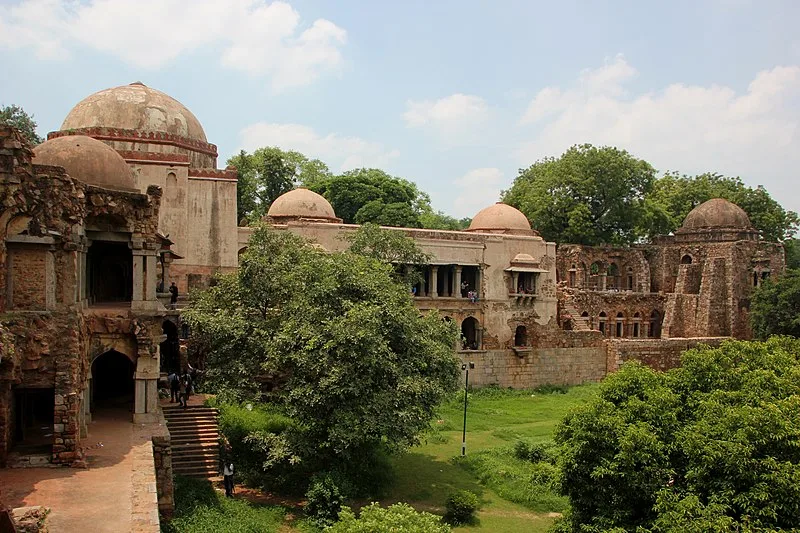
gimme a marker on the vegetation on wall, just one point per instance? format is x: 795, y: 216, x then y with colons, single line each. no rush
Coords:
x: 709, y: 446
x: 334, y: 341
x: 14, y: 115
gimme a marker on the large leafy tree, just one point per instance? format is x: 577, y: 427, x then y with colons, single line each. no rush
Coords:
x: 14, y: 115
x: 775, y: 307
x: 268, y: 173
x: 589, y: 195
x: 709, y: 446
x: 674, y: 195
x: 392, y: 247
x: 332, y: 339
x: 371, y: 195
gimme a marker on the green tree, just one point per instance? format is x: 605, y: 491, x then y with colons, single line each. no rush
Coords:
x: 709, y: 446
x: 335, y: 341
x: 775, y: 306
x: 372, y: 195
x: 268, y: 173
x: 438, y: 220
x: 589, y: 195
x: 392, y: 247
x: 14, y: 115
x: 674, y: 195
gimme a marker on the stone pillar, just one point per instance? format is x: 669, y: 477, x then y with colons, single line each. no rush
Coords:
x: 457, y: 281
x: 478, y: 279
x: 165, y: 271
x: 150, y: 280
x: 138, y: 276
x: 603, y: 280
x: 434, y: 281
x: 514, y: 282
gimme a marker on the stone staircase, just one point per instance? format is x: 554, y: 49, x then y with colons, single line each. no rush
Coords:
x: 194, y: 438
x: 579, y: 323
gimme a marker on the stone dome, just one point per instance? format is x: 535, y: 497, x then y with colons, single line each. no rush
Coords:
x: 716, y: 213
x: 501, y: 218
x: 88, y: 160
x: 135, y: 107
x: 302, y: 203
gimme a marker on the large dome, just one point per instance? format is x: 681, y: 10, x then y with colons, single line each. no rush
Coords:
x: 301, y: 203
x: 501, y: 218
x: 716, y: 213
x: 88, y: 160
x: 135, y: 107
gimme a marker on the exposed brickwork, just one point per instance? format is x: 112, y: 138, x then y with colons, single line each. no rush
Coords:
x: 661, y: 354
x: 28, y: 277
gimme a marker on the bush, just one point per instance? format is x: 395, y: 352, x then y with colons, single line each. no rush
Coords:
x: 398, y: 518
x: 529, y: 451
x: 238, y: 424
x: 461, y: 506
x: 324, y: 499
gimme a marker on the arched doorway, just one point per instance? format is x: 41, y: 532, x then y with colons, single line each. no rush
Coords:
x: 170, y: 348
x: 469, y: 333
x: 686, y: 259
x: 655, y: 324
x: 112, y: 381
x: 601, y: 322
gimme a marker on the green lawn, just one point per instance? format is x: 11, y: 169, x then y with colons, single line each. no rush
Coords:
x: 496, y: 419
x: 427, y: 474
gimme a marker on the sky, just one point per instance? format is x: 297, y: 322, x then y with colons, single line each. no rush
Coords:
x: 456, y: 96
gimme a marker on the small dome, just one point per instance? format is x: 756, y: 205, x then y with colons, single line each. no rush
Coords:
x: 301, y: 203
x: 135, y: 107
x: 88, y: 160
x: 716, y: 213
x: 501, y: 218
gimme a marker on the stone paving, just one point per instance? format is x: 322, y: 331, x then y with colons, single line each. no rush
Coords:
x: 115, y: 494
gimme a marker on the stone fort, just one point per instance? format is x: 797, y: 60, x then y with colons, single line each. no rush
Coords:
x: 126, y: 198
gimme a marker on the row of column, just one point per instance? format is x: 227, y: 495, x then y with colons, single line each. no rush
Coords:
x: 431, y: 288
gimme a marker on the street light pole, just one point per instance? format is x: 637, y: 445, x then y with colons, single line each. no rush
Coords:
x: 466, y: 386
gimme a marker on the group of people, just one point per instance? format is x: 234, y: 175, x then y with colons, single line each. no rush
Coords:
x: 181, y: 386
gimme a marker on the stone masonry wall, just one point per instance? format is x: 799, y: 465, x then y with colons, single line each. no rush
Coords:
x: 162, y: 459
x: 660, y: 354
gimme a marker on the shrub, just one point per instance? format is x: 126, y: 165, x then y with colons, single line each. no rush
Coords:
x: 324, y: 499
x: 461, y: 506
x: 398, y: 518
x: 529, y: 451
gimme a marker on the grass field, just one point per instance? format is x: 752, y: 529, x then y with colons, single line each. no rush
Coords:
x: 426, y: 475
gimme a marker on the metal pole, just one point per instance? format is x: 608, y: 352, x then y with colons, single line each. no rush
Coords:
x: 464, y: 433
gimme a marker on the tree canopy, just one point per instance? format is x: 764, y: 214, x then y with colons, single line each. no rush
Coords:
x: 371, y: 195
x: 775, y: 306
x: 268, y: 173
x: 589, y: 195
x: 334, y: 340
x: 673, y: 196
x: 14, y: 115
x: 392, y: 247
x: 709, y: 446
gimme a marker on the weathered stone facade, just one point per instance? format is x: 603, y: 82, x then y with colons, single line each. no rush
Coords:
x: 60, y: 240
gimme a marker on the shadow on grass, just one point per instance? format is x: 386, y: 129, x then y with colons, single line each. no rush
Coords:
x: 425, y: 482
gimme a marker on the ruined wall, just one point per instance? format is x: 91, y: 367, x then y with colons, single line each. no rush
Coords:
x: 574, y: 265
x: 644, y: 309
x: 162, y: 460
x: 660, y: 354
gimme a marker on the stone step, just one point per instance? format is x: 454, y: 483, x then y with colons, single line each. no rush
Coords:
x: 195, y: 471
x: 192, y: 423
x: 194, y: 432
x: 183, y: 458
x: 177, y: 410
x: 189, y: 462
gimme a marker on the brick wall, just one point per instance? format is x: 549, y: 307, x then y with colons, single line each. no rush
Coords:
x: 28, y: 277
x: 162, y: 458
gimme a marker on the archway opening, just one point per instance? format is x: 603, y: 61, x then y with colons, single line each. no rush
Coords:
x: 620, y: 325
x: 601, y: 325
x: 170, y: 348
x: 112, y: 381
x: 686, y: 259
x: 655, y: 324
x: 521, y: 336
x: 469, y: 334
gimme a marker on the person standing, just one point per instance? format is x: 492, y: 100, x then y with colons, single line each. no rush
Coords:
x: 174, y: 387
x: 184, y: 396
x: 173, y: 298
x: 227, y: 477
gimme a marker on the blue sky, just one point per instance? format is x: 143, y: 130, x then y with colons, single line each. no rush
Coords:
x: 454, y: 95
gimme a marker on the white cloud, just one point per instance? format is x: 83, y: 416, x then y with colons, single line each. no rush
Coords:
x: 691, y: 128
x: 253, y: 36
x: 478, y: 188
x: 340, y: 152
x: 455, y: 118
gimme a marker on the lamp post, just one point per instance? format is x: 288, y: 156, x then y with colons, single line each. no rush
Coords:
x: 466, y: 386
